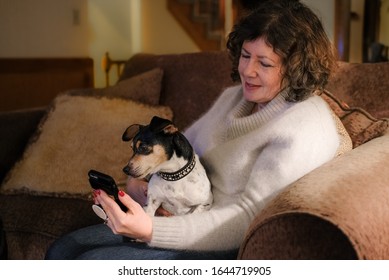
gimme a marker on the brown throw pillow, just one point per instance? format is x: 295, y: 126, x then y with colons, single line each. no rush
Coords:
x: 145, y: 88
x: 79, y: 133
x: 361, y: 126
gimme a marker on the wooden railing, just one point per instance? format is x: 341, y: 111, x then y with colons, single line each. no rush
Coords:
x: 203, y: 20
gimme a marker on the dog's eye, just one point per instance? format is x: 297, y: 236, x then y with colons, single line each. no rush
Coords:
x: 143, y: 149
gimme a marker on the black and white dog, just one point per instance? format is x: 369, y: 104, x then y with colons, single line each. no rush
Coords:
x: 178, y: 180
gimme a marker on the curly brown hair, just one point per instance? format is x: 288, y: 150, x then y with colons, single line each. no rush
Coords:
x: 297, y: 35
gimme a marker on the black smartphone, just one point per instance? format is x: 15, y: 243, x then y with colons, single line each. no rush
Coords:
x: 106, y: 183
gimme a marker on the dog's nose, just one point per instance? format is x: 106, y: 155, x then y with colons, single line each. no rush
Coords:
x: 126, y: 170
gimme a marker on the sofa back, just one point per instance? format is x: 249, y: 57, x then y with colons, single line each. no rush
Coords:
x: 364, y: 85
x: 193, y: 81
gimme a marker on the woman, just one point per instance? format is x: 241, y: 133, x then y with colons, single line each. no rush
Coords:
x: 258, y: 138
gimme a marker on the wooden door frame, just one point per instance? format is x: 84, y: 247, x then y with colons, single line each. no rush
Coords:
x: 371, y: 26
x: 342, y: 28
x: 371, y: 23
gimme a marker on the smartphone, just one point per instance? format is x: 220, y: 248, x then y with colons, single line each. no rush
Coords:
x: 106, y: 183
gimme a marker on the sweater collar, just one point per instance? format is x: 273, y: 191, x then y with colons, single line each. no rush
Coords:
x: 240, y: 120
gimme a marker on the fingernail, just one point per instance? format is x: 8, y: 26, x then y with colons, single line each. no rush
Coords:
x: 97, y: 192
x: 121, y: 193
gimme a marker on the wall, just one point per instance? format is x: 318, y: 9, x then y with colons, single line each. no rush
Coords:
x: 79, y: 28
x: 109, y: 31
x: 43, y: 28
x: 160, y: 31
x: 126, y: 27
x: 356, y: 31
x: 384, y: 24
x: 89, y: 28
x: 325, y: 10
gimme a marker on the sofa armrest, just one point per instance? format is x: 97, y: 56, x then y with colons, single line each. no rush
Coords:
x: 338, y: 211
x: 16, y: 129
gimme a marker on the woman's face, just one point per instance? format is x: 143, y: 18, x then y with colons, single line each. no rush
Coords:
x: 260, y: 71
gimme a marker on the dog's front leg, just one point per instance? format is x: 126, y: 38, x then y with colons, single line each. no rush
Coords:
x: 152, y: 205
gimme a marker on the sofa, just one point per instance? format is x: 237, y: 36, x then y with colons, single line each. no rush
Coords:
x: 338, y: 211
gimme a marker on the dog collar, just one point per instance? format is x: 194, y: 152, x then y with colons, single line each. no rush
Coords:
x: 178, y: 175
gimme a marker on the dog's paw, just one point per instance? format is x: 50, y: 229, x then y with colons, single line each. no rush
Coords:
x: 162, y: 212
x: 202, y: 208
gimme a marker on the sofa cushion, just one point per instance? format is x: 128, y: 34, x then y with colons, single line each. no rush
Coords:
x: 18, y: 126
x: 360, y: 125
x: 364, y: 85
x: 191, y: 81
x: 79, y: 133
x: 145, y: 88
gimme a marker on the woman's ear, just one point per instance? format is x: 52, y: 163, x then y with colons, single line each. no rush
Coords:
x: 130, y: 132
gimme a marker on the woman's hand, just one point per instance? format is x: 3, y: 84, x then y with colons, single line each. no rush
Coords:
x: 135, y: 223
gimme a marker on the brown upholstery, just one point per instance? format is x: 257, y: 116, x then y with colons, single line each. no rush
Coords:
x: 364, y: 85
x: 191, y: 81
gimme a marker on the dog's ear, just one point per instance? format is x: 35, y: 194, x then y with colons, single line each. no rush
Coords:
x: 182, y: 146
x: 158, y: 124
x: 170, y: 129
x: 130, y: 132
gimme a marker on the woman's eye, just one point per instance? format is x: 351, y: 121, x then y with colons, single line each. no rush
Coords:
x: 265, y: 64
x: 245, y: 56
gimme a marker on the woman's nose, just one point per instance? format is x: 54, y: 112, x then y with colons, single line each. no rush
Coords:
x: 250, y: 69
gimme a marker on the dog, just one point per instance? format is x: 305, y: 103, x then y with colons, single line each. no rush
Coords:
x: 178, y: 181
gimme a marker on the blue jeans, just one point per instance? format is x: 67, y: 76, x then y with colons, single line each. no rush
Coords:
x: 99, y: 243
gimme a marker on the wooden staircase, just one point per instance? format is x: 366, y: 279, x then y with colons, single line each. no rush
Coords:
x: 203, y: 20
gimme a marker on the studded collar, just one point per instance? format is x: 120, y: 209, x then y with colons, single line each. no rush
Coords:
x: 181, y: 173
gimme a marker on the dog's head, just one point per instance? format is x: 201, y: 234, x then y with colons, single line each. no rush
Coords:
x: 153, y: 145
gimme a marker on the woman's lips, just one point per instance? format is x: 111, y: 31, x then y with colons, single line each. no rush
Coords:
x: 250, y: 86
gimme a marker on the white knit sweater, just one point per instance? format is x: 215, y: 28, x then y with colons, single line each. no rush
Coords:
x: 248, y: 158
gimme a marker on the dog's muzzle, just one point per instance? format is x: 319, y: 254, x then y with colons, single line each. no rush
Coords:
x: 135, y: 173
